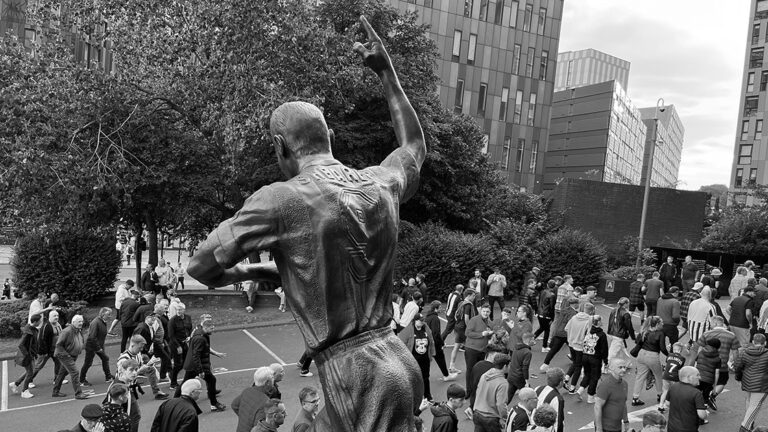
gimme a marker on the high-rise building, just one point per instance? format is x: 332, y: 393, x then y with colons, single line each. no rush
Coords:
x: 596, y: 133
x: 498, y: 65
x: 669, y: 146
x: 750, y: 151
x: 589, y: 66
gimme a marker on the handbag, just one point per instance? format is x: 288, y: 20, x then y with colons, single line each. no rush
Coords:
x: 638, y: 346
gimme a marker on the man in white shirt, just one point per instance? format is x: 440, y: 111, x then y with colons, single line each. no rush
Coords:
x: 164, y: 274
x: 410, y: 310
x: 38, y: 306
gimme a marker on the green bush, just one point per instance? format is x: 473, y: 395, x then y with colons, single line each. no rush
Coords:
x: 14, y: 315
x: 516, y: 244
x: 445, y: 257
x: 78, y: 266
x: 573, y: 252
x: 631, y: 272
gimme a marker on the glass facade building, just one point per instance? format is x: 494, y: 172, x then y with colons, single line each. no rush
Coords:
x: 669, y: 147
x: 589, y: 66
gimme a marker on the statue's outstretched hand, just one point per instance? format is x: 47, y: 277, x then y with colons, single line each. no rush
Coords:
x: 373, y: 53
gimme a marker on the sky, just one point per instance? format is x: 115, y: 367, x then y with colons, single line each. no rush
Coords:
x: 689, y: 52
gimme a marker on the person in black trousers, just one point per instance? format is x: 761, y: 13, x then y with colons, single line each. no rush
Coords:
x: 198, y: 363
x: 595, y: 355
x: 127, y: 309
x: 179, y: 330
x: 433, y: 322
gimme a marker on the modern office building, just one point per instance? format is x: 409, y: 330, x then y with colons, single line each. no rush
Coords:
x: 498, y: 66
x: 750, y: 151
x: 589, y: 66
x: 669, y: 146
x: 596, y: 133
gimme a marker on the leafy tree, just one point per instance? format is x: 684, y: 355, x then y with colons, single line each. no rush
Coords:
x: 574, y: 252
x: 740, y: 230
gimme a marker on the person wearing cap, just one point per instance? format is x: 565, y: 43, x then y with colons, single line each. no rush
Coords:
x: 418, y: 338
x: 180, y: 414
x: 123, y: 292
x: 89, y: 419
x: 127, y: 310
x: 741, y: 310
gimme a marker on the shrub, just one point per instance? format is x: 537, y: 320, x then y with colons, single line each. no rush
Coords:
x: 631, y: 272
x: 78, y: 266
x: 574, y: 252
x: 445, y: 257
x: 14, y: 315
x: 516, y: 243
x: 625, y: 254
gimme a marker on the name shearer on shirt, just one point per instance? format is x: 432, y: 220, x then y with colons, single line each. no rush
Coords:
x: 342, y: 174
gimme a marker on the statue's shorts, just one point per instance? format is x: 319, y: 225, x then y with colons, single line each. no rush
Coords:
x: 371, y: 383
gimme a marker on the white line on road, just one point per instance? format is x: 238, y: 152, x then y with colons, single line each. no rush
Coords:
x: 605, y: 305
x: 269, y: 351
x: 4, y: 391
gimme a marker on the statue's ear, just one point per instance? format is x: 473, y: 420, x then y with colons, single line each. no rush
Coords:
x: 278, y: 141
x: 331, y: 137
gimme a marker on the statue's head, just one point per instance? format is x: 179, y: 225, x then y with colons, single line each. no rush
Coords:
x: 298, y: 130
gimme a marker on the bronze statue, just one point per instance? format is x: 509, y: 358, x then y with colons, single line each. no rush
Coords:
x: 333, y: 231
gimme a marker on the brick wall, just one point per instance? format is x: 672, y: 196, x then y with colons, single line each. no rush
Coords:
x: 612, y: 211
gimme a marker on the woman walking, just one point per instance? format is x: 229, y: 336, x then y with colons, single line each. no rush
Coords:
x: 651, y: 341
x: 433, y: 322
x: 619, y: 329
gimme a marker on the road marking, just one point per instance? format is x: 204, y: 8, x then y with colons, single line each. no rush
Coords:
x: 4, y: 383
x: 93, y: 395
x: 269, y: 351
x: 633, y: 417
x: 443, y: 319
x: 605, y: 305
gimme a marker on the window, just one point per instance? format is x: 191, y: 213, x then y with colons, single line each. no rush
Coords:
x: 520, y: 150
x: 484, y: 148
x: 472, y: 47
x: 543, y: 65
x: 756, y: 57
x: 542, y: 20
x: 428, y: 3
x: 499, y: 12
x: 516, y: 59
x: 529, y: 62
x: 481, y: 99
x: 750, y: 105
x: 534, y: 156
x: 745, y: 130
x: 483, y: 10
x: 513, y: 8
x: 518, y: 107
x: 745, y: 154
x: 761, y: 9
x: 505, y: 153
x: 752, y: 176
x: 759, y: 129
x: 459, y: 99
x: 531, y: 109
x: 456, y: 43
x: 527, y: 17
x: 751, y: 82
x: 569, y: 74
x: 739, y: 177
x: 763, y: 80
x: 468, y: 7
x: 755, y: 33
x: 503, y: 105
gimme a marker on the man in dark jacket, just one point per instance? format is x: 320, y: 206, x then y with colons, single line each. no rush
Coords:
x: 46, y: 345
x: 179, y: 329
x: 128, y: 325
x: 521, y: 415
x: 751, y: 367
x: 180, y: 414
x: 275, y: 411
x: 519, y: 363
x: 310, y: 404
x: 668, y: 272
x: 68, y: 347
x: 146, y: 330
x: 249, y: 405
x: 668, y: 308
x: 94, y: 346
x: 444, y: 414
x: 559, y: 336
x: 146, y: 307
x: 149, y: 279
x: 27, y: 354
x: 198, y: 362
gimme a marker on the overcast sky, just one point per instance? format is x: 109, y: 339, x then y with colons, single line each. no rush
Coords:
x: 690, y: 52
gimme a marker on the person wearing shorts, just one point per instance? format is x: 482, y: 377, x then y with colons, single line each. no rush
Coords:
x: 332, y: 231
x: 467, y: 311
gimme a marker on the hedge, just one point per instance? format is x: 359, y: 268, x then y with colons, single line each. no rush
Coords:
x: 631, y: 272
x: 14, y: 315
x: 78, y: 266
x: 573, y: 252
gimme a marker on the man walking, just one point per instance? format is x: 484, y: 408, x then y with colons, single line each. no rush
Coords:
x: 668, y: 272
x: 123, y: 292
x: 198, y: 362
x: 249, y: 405
x: 490, y: 410
x: 134, y: 352
x: 668, y: 309
x: 310, y: 404
x: 577, y: 329
x: 26, y: 355
x: 180, y: 414
x: 454, y: 299
x: 94, y: 346
x: 479, y: 331
x: 654, y: 289
x: 497, y: 283
x: 115, y: 419
x: 751, y: 368
x: 729, y: 344
x: 689, y: 273
x: 68, y: 347
x: 179, y: 331
x: 636, y: 296
x: 521, y: 415
x: 127, y: 309
x: 559, y: 335
x: 742, y: 311
x: 611, y: 399
x: 686, y: 403
x: 549, y: 395
x: 275, y: 417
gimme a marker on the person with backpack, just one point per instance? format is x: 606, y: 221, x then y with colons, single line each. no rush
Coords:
x: 595, y: 355
x: 620, y: 329
x: 465, y: 311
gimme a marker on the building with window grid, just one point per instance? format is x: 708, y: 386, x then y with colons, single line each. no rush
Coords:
x: 497, y: 65
x: 589, y: 66
x: 750, y: 151
x: 669, y: 146
x: 596, y: 133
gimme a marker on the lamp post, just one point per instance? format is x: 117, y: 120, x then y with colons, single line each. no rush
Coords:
x: 659, y: 107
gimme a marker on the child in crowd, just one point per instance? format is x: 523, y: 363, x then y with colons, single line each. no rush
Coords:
x: 675, y: 361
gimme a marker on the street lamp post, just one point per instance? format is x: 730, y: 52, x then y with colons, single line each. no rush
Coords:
x: 659, y: 107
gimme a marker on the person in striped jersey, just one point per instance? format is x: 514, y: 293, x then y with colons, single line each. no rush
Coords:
x: 549, y: 395
x: 521, y: 415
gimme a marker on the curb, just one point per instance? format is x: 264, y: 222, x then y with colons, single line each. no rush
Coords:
x: 225, y: 328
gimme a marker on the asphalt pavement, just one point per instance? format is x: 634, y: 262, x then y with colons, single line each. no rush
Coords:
x: 259, y: 346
